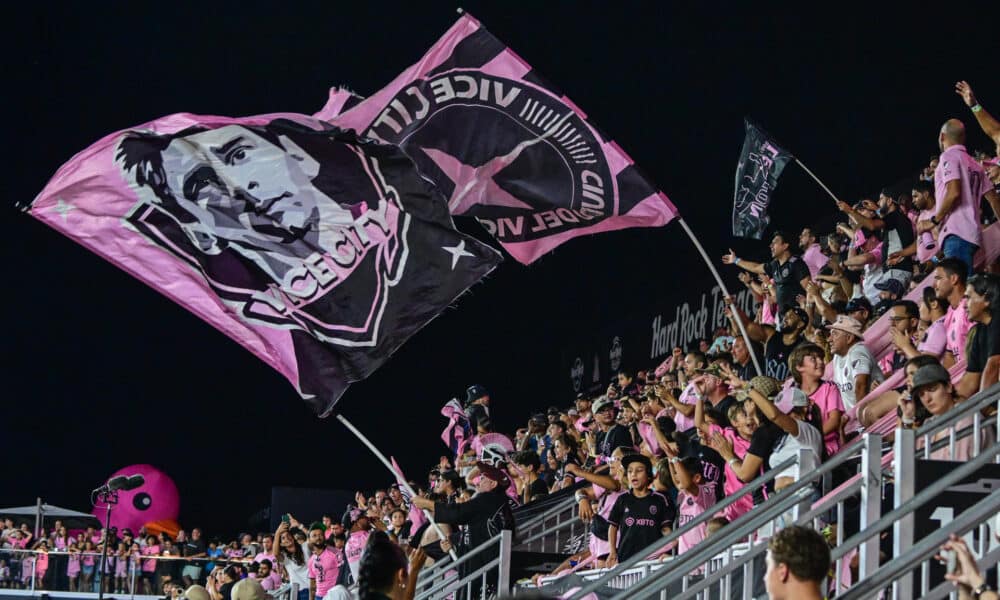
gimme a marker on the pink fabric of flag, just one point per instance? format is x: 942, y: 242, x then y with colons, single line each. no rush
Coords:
x: 318, y: 252
x: 649, y: 436
x: 507, y: 147
x: 415, y: 516
x: 457, y: 434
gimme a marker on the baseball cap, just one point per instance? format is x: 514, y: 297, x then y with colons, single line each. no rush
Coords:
x: 893, y: 286
x: 602, y: 403
x: 930, y: 374
x: 791, y: 397
x: 714, y: 370
x: 552, y: 410
x: 848, y: 325
x: 539, y: 419
x: 475, y: 392
x: 496, y: 474
x: 799, y: 312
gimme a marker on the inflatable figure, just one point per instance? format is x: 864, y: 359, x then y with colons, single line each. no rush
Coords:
x: 153, y: 505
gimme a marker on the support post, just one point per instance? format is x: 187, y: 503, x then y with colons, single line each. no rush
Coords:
x: 903, y: 485
x: 725, y: 293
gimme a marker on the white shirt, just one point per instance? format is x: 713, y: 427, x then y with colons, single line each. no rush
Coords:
x: 298, y: 574
x: 857, y: 361
x: 788, y: 447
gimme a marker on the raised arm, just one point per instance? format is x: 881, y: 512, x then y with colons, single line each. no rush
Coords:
x: 990, y: 125
x: 746, y: 265
x: 782, y: 420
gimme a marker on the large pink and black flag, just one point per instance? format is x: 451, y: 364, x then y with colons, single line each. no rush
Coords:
x: 319, y: 252
x: 507, y: 147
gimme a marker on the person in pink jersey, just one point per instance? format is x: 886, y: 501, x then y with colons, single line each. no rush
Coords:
x: 357, y: 522
x: 693, y: 499
x: 959, y: 185
x: 739, y: 434
x: 949, y: 284
x: 325, y: 562
x: 807, y: 364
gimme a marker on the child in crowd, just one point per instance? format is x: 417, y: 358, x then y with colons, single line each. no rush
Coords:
x: 4, y: 574
x: 73, y: 566
x: 693, y: 498
x: 121, y: 568
x: 41, y: 563
x: 27, y: 569
x: 87, y: 562
x: 639, y: 517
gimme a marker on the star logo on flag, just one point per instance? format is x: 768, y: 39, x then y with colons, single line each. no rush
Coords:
x: 457, y: 252
x: 475, y: 185
x: 63, y: 208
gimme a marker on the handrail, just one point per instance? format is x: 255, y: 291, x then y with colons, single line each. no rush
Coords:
x: 929, y: 545
x: 496, y: 541
x: 928, y: 493
x: 953, y: 416
x: 689, y: 526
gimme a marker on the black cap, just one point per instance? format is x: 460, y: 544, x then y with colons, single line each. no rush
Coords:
x: 475, y: 392
x: 858, y: 303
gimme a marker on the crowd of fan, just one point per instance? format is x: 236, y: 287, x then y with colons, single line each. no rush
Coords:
x: 840, y: 344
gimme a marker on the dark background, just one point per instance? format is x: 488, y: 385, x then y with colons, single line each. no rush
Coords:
x: 99, y: 371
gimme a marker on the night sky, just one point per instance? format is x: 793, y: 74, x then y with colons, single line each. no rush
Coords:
x: 100, y: 371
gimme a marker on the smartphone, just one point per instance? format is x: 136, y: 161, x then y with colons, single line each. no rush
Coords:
x: 286, y: 518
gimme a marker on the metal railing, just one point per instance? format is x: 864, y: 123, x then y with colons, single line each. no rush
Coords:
x: 493, y: 577
x: 898, y: 572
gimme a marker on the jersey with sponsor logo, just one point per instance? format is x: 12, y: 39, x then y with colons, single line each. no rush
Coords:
x: 640, y: 521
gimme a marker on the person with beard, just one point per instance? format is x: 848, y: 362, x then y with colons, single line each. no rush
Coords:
x: 325, y: 562
x: 485, y: 515
x: 949, y: 279
x: 778, y: 344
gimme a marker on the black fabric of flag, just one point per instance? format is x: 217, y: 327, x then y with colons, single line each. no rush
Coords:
x: 761, y: 162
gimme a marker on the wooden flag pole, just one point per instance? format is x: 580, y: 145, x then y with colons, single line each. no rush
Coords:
x: 388, y: 465
x: 816, y: 179
x: 725, y: 292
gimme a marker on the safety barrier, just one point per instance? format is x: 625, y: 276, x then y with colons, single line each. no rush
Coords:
x: 493, y: 577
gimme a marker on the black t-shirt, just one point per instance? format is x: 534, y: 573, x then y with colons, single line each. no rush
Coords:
x: 787, y: 280
x: 761, y: 444
x: 776, y: 353
x: 535, y: 489
x: 640, y: 521
x: 608, y: 440
x: 984, y: 342
x: 485, y: 515
x: 896, y: 235
x: 192, y: 547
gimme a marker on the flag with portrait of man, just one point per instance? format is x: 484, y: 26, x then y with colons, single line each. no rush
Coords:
x: 319, y: 252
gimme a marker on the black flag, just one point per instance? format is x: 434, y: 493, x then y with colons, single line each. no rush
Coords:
x: 761, y: 163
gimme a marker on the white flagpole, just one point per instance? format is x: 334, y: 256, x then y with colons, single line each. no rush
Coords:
x: 388, y: 465
x: 725, y: 292
x: 813, y: 175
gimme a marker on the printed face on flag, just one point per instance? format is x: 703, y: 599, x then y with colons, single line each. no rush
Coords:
x: 319, y: 252
x: 506, y: 147
x: 249, y: 195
